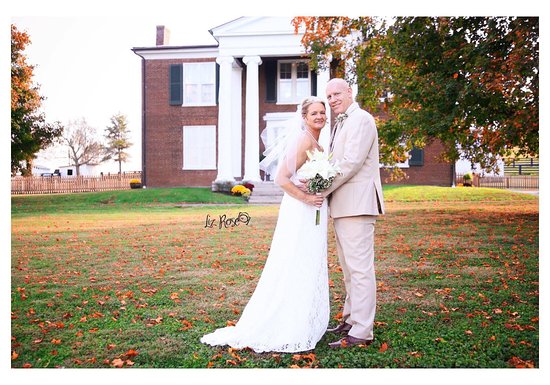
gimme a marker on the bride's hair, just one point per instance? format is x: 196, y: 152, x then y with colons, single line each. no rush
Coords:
x: 308, y: 102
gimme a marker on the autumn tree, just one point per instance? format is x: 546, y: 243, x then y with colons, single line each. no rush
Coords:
x: 29, y: 130
x: 83, y: 145
x: 117, y: 135
x: 470, y: 82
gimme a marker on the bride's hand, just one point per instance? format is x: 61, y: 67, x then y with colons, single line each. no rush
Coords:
x: 302, y: 187
x: 314, y: 200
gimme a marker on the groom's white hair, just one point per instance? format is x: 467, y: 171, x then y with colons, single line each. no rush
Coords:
x: 338, y: 81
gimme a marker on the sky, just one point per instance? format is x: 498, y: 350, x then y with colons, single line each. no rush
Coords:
x: 86, y: 69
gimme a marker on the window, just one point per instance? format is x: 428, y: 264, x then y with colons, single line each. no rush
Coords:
x: 417, y: 157
x: 199, y: 83
x: 199, y: 148
x: 193, y: 84
x: 294, y: 81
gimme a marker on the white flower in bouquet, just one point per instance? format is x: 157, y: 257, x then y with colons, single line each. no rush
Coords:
x: 319, y: 163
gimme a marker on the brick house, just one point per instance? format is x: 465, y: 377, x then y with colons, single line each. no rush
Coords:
x: 204, y: 107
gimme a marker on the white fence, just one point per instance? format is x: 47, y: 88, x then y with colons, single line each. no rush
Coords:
x: 71, y: 184
x: 519, y: 182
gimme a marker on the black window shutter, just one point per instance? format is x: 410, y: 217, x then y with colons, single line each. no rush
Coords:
x: 270, y: 67
x: 313, y: 83
x: 417, y: 157
x: 176, y: 84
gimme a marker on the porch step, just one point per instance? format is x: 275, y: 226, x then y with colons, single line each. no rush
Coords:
x: 266, y: 193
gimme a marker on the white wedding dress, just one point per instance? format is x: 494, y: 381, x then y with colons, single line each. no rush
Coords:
x: 289, y: 310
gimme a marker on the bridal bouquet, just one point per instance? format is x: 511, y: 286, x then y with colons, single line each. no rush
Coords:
x: 319, y: 173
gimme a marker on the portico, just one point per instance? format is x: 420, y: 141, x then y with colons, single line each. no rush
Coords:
x: 247, y: 42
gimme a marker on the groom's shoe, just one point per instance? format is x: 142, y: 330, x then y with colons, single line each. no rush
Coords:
x: 349, y: 341
x: 342, y: 328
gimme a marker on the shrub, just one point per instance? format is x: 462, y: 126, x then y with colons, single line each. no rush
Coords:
x: 222, y: 187
x: 468, y: 179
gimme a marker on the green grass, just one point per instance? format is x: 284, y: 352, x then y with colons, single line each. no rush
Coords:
x: 137, y: 283
x: 395, y: 193
x: 117, y: 200
x: 140, y: 199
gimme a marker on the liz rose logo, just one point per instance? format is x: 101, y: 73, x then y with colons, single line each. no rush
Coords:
x: 223, y: 222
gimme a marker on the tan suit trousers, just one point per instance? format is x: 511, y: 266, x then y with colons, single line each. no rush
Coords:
x: 355, y: 246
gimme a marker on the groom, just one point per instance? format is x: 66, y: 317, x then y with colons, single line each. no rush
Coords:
x: 355, y: 200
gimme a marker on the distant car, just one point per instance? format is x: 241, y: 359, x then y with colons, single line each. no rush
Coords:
x: 55, y: 173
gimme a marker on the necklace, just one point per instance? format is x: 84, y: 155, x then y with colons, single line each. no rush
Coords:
x: 312, y: 137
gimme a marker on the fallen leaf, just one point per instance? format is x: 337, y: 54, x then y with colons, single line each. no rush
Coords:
x: 519, y: 363
x: 187, y: 325
x: 131, y: 353
x: 117, y: 363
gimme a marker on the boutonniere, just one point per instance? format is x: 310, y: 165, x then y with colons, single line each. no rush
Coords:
x: 340, y: 118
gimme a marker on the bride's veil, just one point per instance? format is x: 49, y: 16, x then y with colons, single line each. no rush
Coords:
x: 282, y: 150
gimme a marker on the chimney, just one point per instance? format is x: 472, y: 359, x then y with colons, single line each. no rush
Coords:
x: 163, y: 35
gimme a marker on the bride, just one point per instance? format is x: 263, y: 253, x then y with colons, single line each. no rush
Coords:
x: 289, y: 310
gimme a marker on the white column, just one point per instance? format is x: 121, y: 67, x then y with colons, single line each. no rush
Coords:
x: 237, y: 121
x: 225, y: 173
x: 252, y: 121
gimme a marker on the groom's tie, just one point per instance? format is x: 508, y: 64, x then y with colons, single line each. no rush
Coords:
x: 333, y: 135
x: 337, y: 126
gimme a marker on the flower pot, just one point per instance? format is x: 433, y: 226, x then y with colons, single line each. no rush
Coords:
x: 135, y: 185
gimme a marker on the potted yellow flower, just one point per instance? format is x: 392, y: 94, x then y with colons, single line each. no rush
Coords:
x: 242, y: 191
x: 135, y: 183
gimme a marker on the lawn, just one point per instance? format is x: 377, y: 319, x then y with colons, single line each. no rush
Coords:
x: 122, y: 280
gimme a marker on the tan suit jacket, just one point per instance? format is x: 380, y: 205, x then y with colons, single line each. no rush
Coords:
x: 358, y: 191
